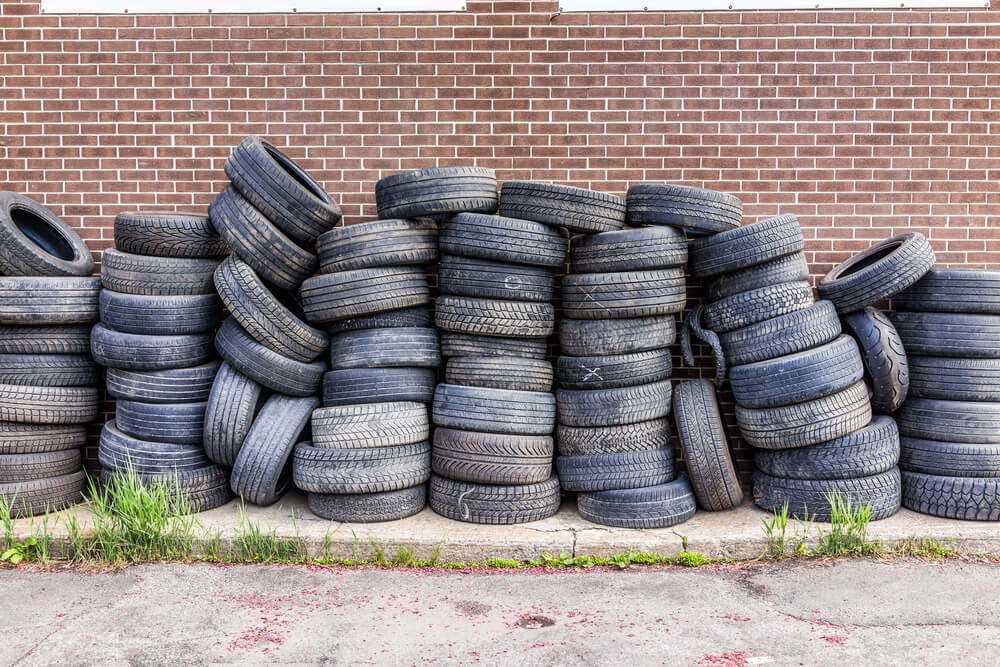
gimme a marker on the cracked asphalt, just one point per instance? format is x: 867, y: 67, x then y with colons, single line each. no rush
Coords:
x: 862, y: 612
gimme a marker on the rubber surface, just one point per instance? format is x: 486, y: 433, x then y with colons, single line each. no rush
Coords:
x: 156, y: 276
x: 491, y: 458
x: 950, y: 421
x: 746, y: 308
x: 139, y: 352
x: 369, y: 507
x: 18, y: 438
x: 785, y: 269
x: 793, y: 332
x: 34, y: 241
x: 232, y: 405
x: 641, y: 249
x: 608, y: 372
x: 47, y: 405
x: 811, y: 496
x: 659, y: 506
x: 626, y: 294
x: 119, y: 451
x: 740, y: 248
x: 583, y: 338
x: 963, y: 335
x: 608, y: 407
x: 330, y: 297
x: 379, y: 243
x: 702, y: 436
x: 955, y: 379
x: 26, y: 467
x: 953, y: 291
x: 951, y: 459
x: 494, y: 317
x: 168, y: 234
x: 436, y: 191
x: 43, y: 495
x: 177, y: 423
x: 378, y: 385
x: 246, y: 355
x: 361, y: 470
x: 43, y: 301
x: 473, y: 345
x: 492, y: 503
x: 160, y: 315
x: 502, y: 239
x: 414, y: 316
x: 48, y: 370
x: 589, y: 440
x: 385, y: 348
x: 463, y: 276
x: 971, y: 499
x: 45, y: 339
x: 500, y: 372
x: 619, y: 470
x: 576, y: 209
x: 494, y: 410
x: 695, y: 210
x: 884, y: 356
x: 370, y: 425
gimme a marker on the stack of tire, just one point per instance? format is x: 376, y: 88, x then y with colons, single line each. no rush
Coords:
x: 158, y: 312
x: 270, y: 216
x: 950, y: 423
x: 48, y: 392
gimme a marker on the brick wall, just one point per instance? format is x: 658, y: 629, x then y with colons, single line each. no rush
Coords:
x: 863, y: 123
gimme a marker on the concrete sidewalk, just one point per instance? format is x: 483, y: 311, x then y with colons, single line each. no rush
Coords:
x: 737, y: 533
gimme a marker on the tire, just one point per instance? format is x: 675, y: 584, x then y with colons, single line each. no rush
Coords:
x: 576, y: 209
x: 378, y: 385
x: 871, y: 450
x: 493, y: 317
x: 658, y: 506
x: 26, y: 467
x: 625, y: 470
x: 971, y: 499
x: 201, y: 489
x: 494, y: 504
x: 160, y: 315
x: 694, y: 210
x: 38, y: 301
x: 263, y: 467
x: 811, y: 496
x: 806, y: 423
x: 338, y: 296
x: 617, y: 439
x: 622, y: 295
x: 494, y: 410
x: 644, y: 249
x: 460, y: 276
x: 253, y: 237
x: 175, y: 423
x: 369, y: 507
x: 609, y: 372
x: 415, y: 316
x: 48, y: 405
x: 379, y: 243
x: 35, y: 242
x: 507, y: 240
x: 796, y: 378
x: 234, y: 402
x: 744, y: 247
x: 370, y: 425
x: 281, y: 190
x: 962, y: 335
x: 951, y: 459
x: 156, y: 276
x: 437, y: 191
x: 746, y: 308
x: 121, y: 452
x: 471, y: 345
x: 168, y: 234
x: 791, y: 268
x: 42, y: 496
x: 702, y: 435
x: 585, y: 338
x: 611, y: 407
x: 175, y: 385
x: 950, y: 421
x: 55, y: 339
x: 385, y: 348
x: 288, y: 376
x: 18, y: 438
x: 48, y: 370
x: 361, y: 470
x: 953, y: 291
x: 512, y: 373
x: 955, y: 379
x: 793, y: 332
x: 885, y: 269
x: 491, y: 458
x: 137, y: 352
x: 272, y: 321
x: 884, y: 356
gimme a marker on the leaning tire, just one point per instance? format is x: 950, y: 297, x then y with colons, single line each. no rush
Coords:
x: 746, y: 308
x: 740, y: 248
x: 491, y: 458
x: 368, y: 507
x: 793, y: 332
x: 35, y: 242
x: 494, y: 410
x: 610, y: 407
x: 379, y: 243
x: 43, y: 301
x: 494, y: 504
x: 138, y: 352
x: 436, y: 191
x: 702, y: 435
x: 378, y: 385
x: 884, y: 357
x: 971, y: 499
x: 694, y: 210
x: 658, y: 506
x: 811, y: 496
x: 576, y: 209
x: 246, y: 355
x: 234, y: 402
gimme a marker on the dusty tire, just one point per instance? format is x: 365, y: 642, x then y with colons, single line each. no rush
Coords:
x: 955, y: 379
x: 621, y: 470
x: 369, y: 507
x: 246, y: 355
x: 881, y: 271
x: 330, y: 297
x: 175, y: 385
x: 623, y: 295
x: 695, y: 210
x: 644, y: 249
x: 43, y: 495
x: 500, y: 239
x: 491, y: 458
x: 370, y: 425
x: 48, y: 405
x: 168, y: 234
x: 48, y: 370
x: 494, y: 410
x: 461, y: 276
x: 810, y: 496
x: 609, y: 372
x: 791, y: 268
x: 361, y: 469
x: 494, y: 504
x: 35, y: 242
x: 584, y: 338
x: 740, y: 248
x: 472, y: 345
x: 160, y: 315
x: 119, y: 451
x: 971, y: 499
x: 513, y: 373
x: 747, y: 308
x: 55, y: 339
x: 610, y: 407
x: 435, y: 192
x: 590, y: 440
x: 951, y: 459
x: 232, y: 405
x: 174, y: 423
x: 884, y: 356
x: 385, y: 348
x: 378, y: 385
x: 963, y: 335
x: 137, y: 352
x: 702, y: 435
x: 18, y: 438
x: 576, y: 209
x: 953, y: 291
x: 658, y: 506
x: 43, y: 301
x: 494, y: 317
x: 156, y: 276
x: 26, y: 467
x: 950, y: 421
x: 414, y: 316
x: 379, y: 243
x: 793, y: 332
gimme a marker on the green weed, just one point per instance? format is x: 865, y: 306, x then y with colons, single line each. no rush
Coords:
x: 253, y: 544
x: 848, y: 534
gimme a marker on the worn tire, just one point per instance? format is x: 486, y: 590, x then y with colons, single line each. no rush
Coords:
x: 330, y: 297
x: 160, y: 315
x: 810, y: 496
x: 513, y: 373
x: 609, y: 372
x: 610, y: 407
x: 950, y: 421
x: 379, y: 243
x: 368, y: 507
x: 378, y: 385
x: 48, y: 405
x: 881, y: 271
x: 791, y: 268
x: 461, y: 276
x: 168, y: 234
x: 175, y: 385
x: 952, y: 459
x: 232, y: 405
x: 807, y: 423
x: 437, y: 191
x: 361, y: 469
x: 953, y: 291
x: 968, y: 498
x: 120, y: 451
x: 288, y: 376
x: 385, y: 348
x: 500, y: 239
x: 472, y: 345
x: 702, y: 435
x: 963, y: 335
x: 18, y: 438
x: 175, y: 423
x: 494, y: 504
x: 48, y: 370
x: 42, y: 496
x: 34, y: 241
x: 26, y: 467
x: 746, y: 308
x: 623, y: 295
x: 41, y: 301
x: 619, y: 438
x: 585, y: 338
x: 156, y: 276
x: 644, y: 249
x: 955, y: 379
x: 695, y: 210
x: 370, y: 425
x: 198, y: 490
x: 884, y: 356
x: 619, y: 470
x: 138, y: 352
x: 494, y: 317
x: 41, y: 339
x: 491, y: 458
x: 868, y: 451
x: 576, y: 209
x: 271, y: 320
x: 740, y: 248
x: 659, y: 506
x: 494, y: 410
x: 793, y: 332
x: 262, y: 469
x: 414, y: 316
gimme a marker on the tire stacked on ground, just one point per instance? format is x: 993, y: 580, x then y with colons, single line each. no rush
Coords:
x: 158, y: 310
x: 798, y: 381
x: 48, y: 381
x: 270, y: 216
x: 950, y: 422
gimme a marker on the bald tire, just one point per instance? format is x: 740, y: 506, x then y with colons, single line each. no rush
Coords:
x: 746, y: 246
x: 494, y: 504
x: 576, y: 209
x: 168, y: 234
x: 609, y: 407
x: 620, y: 470
x: 962, y: 335
x: 491, y: 458
x: 414, y: 316
x: 177, y: 423
x: 18, y: 438
x: 174, y: 385
x: 330, y: 297
x: 25, y: 467
x: 156, y: 276
x: 659, y: 506
x: 585, y: 338
x: 40, y: 496
x: 361, y: 470
x: 494, y: 410
x: 436, y: 191
x: 608, y: 372
x: 264, y: 365
x: 951, y: 459
x: 141, y: 352
x: 119, y: 451
x: 590, y: 440
x: 702, y: 435
x: 398, y: 347
x: 160, y: 315
x: 643, y: 249
x: 810, y: 497
x: 385, y: 424
x: 473, y: 345
x: 501, y: 372
x: 954, y: 379
x: 369, y: 507
x: 462, y: 276
x: 378, y: 385
x: 48, y: 370
x: 953, y: 291
x: 38, y: 301
x: 950, y: 421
